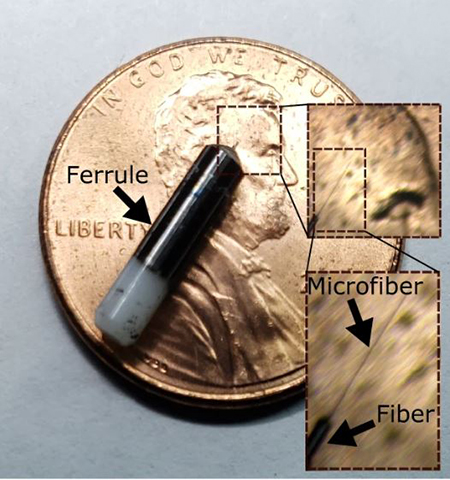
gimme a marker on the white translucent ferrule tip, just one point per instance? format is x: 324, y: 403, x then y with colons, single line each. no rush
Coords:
x: 131, y: 302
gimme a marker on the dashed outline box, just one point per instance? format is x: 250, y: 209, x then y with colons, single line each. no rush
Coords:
x: 313, y: 180
x: 279, y: 108
x: 438, y: 360
x: 362, y: 233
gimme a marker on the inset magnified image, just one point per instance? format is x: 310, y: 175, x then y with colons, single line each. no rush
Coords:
x: 398, y: 184
x: 373, y: 371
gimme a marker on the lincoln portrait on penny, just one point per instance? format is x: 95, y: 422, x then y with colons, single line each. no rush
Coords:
x: 227, y: 322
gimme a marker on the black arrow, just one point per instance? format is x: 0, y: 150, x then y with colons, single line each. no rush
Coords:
x: 344, y: 434
x: 362, y: 329
x: 137, y: 210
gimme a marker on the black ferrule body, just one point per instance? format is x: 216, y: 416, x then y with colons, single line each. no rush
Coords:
x: 187, y: 215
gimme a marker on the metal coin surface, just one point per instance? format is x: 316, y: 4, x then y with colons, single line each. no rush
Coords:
x: 232, y: 331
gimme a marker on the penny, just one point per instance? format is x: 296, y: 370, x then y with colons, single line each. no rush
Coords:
x: 232, y: 332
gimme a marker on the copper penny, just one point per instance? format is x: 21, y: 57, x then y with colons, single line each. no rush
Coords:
x: 232, y: 332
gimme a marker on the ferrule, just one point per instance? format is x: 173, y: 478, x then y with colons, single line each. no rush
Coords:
x: 144, y: 282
